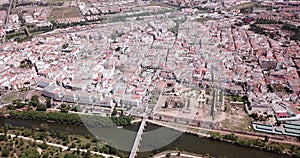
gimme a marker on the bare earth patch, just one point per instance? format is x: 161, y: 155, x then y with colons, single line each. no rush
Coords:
x: 68, y: 12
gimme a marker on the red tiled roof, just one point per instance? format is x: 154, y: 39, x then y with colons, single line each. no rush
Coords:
x: 282, y: 114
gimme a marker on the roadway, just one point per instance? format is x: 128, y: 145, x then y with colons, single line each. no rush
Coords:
x: 138, y: 139
x: 6, y: 20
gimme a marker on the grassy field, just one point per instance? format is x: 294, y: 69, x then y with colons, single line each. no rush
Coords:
x: 10, y: 97
x: 66, y: 12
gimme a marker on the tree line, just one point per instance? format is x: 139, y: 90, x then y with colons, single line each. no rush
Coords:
x: 285, y: 26
x: 72, y: 119
x: 252, y: 143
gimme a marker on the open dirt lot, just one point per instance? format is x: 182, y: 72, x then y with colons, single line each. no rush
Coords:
x: 67, y: 12
x: 235, y: 118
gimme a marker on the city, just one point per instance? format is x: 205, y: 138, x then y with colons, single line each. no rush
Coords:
x: 225, y: 70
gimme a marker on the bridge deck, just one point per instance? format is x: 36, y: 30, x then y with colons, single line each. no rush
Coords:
x: 138, y: 138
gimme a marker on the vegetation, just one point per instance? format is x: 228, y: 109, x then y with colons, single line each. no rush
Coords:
x: 41, y: 107
x: 26, y: 64
x: 65, y: 25
x: 34, y: 101
x: 294, y: 29
x: 5, y: 153
x: 28, y: 148
x: 268, y: 21
x: 74, y: 119
x: 64, y: 108
x: 168, y: 155
x: 285, y: 26
x: 174, y: 29
x: 48, y: 103
x: 252, y: 143
x: 153, y: 99
x: 10, y: 97
x: 237, y: 98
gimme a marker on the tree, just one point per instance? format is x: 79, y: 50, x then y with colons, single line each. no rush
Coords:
x: 18, y: 103
x: 3, y: 137
x: 44, y: 127
x: 231, y: 136
x: 71, y: 156
x: 5, y: 153
x: 88, y: 154
x: 34, y: 101
x: 114, y: 113
x: 105, y: 149
x: 278, y: 149
x: 64, y: 108
x: 11, y: 107
x: 77, y: 108
x: 168, y: 155
x: 31, y: 152
x: 43, y: 146
x: 46, y: 155
x: 41, y: 107
x: 48, y: 103
x: 87, y: 145
x: 73, y: 145
x: 166, y: 104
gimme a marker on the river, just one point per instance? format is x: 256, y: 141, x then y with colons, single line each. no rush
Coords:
x: 184, y: 142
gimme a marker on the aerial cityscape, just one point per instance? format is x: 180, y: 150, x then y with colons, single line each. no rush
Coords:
x: 172, y: 78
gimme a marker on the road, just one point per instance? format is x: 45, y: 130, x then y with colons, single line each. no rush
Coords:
x: 6, y: 20
x: 138, y: 139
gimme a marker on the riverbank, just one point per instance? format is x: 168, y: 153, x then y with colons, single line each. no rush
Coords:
x: 72, y: 119
x: 185, y: 142
x: 177, y: 154
x: 249, y: 141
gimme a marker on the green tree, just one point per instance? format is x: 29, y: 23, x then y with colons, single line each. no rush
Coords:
x: 4, y: 153
x: 73, y: 145
x: 168, y: 155
x: 31, y: 152
x: 34, y: 101
x: 71, y: 156
x: 64, y: 108
x: 88, y: 154
x: 44, y: 127
x: 105, y: 149
x: 48, y: 103
x: 3, y: 137
x: 43, y: 146
x: 87, y: 145
x: 41, y: 107
x: 231, y: 136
